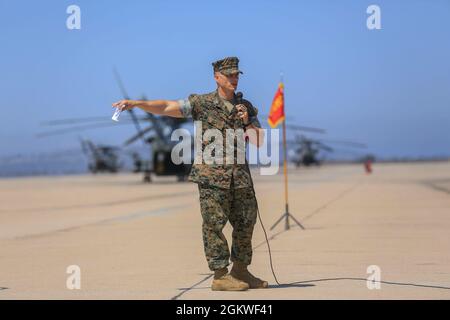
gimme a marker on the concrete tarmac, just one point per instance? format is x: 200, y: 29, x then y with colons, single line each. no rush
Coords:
x: 143, y: 241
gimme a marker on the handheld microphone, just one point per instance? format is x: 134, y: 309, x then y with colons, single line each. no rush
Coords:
x: 251, y: 112
x: 239, y: 96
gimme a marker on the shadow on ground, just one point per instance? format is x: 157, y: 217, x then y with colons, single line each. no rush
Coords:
x: 365, y: 280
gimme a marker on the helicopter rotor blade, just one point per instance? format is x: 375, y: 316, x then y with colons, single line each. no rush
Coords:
x: 155, y: 120
x: 71, y: 121
x: 303, y: 128
x: 320, y: 142
x: 120, y: 84
x: 88, y: 120
x: 83, y: 145
x: 127, y: 97
x: 346, y: 143
x: 348, y: 152
x: 137, y: 136
x: 77, y: 128
x: 324, y: 147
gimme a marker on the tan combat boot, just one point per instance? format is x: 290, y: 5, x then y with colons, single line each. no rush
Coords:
x: 223, y: 281
x: 239, y: 271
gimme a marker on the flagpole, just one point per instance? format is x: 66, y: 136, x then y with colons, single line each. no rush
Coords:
x: 286, y: 201
x: 286, y: 198
x: 286, y: 214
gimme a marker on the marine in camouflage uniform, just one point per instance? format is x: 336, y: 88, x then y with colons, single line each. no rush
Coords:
x: 226, y: 192
x: 226, y: 189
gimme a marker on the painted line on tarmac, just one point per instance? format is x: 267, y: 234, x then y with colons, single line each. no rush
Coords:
x: 314, y: 212
x: 435, y: 186
x: 104, y: 204
x: 184, y: 290
x: 121, y: 218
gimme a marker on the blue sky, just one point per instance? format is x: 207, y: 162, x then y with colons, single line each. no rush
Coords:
x: 389, y: 88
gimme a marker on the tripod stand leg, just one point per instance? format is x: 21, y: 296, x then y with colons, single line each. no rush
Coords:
x: 298, y: 223
x: 278, y: 221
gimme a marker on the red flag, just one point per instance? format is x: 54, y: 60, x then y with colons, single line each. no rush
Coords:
x: 276, y: 115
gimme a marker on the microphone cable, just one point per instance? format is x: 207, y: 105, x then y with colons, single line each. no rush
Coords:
x: 239, y: 101
x: 265, y: 235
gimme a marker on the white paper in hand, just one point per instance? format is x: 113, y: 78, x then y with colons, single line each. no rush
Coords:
x: 116, y: 114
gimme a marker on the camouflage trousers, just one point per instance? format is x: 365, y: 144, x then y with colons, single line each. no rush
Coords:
x: 219, y: 206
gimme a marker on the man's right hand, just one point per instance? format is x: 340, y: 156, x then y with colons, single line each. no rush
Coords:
x: 125, y: 104
x: 169, y: 108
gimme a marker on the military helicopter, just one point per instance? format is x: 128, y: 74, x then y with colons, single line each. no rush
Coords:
x: 306, y: 150
x: 156, y: 136
x: 101, y: 158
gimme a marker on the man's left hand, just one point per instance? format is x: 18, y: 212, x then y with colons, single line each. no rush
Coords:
x: 242, y: 113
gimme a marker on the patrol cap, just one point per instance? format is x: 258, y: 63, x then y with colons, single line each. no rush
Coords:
x: 227, y: 66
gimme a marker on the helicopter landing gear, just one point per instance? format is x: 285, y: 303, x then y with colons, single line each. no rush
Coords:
x: 147, y: 177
